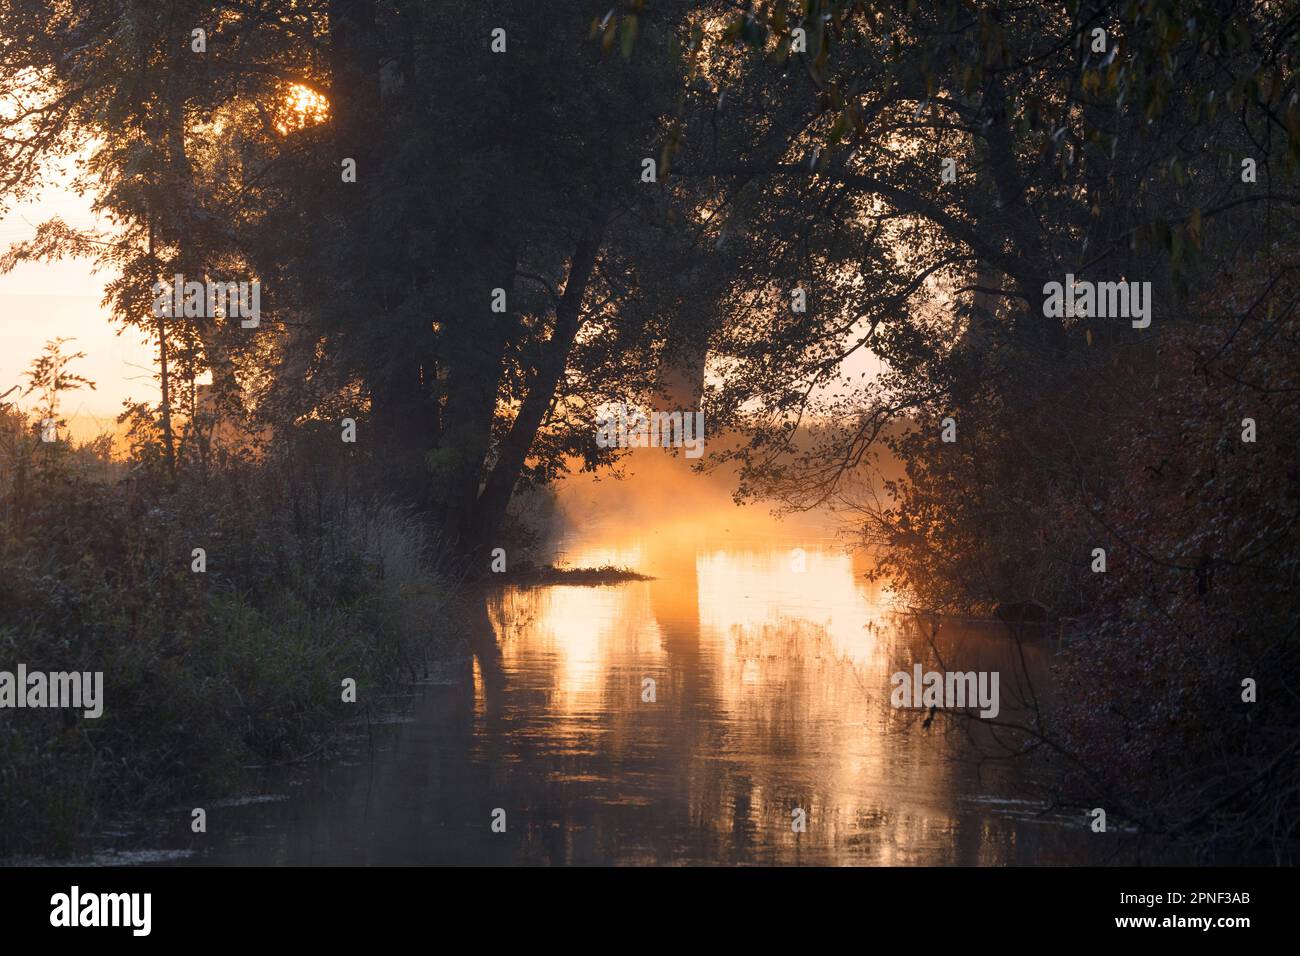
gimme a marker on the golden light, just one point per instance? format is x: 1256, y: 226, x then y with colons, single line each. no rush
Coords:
x: 303, y: 107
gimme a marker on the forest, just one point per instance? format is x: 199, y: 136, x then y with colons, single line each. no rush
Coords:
x: 1010, y: 287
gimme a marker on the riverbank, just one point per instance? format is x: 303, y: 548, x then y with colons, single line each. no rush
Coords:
x: 549, y: 575
x: 236, y: 618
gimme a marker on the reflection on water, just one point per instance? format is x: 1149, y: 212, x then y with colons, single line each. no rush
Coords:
x: 771, y: 694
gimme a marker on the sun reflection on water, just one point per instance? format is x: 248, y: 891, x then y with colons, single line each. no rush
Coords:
x: 771, y: 674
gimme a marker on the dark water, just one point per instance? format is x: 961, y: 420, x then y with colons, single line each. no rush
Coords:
x: 772, y: 695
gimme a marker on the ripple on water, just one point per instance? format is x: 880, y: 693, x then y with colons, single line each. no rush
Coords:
x: 250, y: 800
x: 144, y: 857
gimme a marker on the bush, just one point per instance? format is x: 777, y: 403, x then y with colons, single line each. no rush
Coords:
x: 306, y: 583
x: 1203, y: 556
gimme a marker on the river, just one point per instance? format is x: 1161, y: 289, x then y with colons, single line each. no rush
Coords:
x: 767, y: 736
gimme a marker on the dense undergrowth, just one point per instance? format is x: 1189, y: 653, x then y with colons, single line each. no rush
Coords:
x: 307, y: 583
x: 1154, y: 505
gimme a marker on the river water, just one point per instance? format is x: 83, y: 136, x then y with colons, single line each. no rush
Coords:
x: 771, y: 664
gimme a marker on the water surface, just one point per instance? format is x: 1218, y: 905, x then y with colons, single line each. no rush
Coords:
x: 771, y: 695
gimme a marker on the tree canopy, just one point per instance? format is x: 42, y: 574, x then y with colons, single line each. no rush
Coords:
x: 477, y: 225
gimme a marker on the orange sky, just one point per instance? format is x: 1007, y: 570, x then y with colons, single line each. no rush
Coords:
x: 40, y: 301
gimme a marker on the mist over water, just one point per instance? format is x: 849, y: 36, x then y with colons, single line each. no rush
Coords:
x: 771, y: 698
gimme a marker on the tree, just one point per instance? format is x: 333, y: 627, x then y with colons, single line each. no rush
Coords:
x: 1102, y: 155
x: 475, y: 171
x: 48, y: 377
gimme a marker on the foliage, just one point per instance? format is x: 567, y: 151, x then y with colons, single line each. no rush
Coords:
x: 304, y: 585
x: 1202, y: 530
x: 1103, y: 140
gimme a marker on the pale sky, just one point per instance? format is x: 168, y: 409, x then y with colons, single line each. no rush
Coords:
x: 41, y: 301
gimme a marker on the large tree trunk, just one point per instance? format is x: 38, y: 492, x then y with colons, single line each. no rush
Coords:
x: 403, y: 418
x: 354, y: 86
x: 476, y: 348
x: 490, y: 508
x: 681, y: 375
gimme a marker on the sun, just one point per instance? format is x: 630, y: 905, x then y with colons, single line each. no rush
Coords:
x: 302, y: 107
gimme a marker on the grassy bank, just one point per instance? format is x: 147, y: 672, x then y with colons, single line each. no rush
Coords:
x: 305, y: 583
x: 548, y: 575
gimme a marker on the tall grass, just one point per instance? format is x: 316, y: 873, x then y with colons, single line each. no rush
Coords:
x: 307, y: 583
